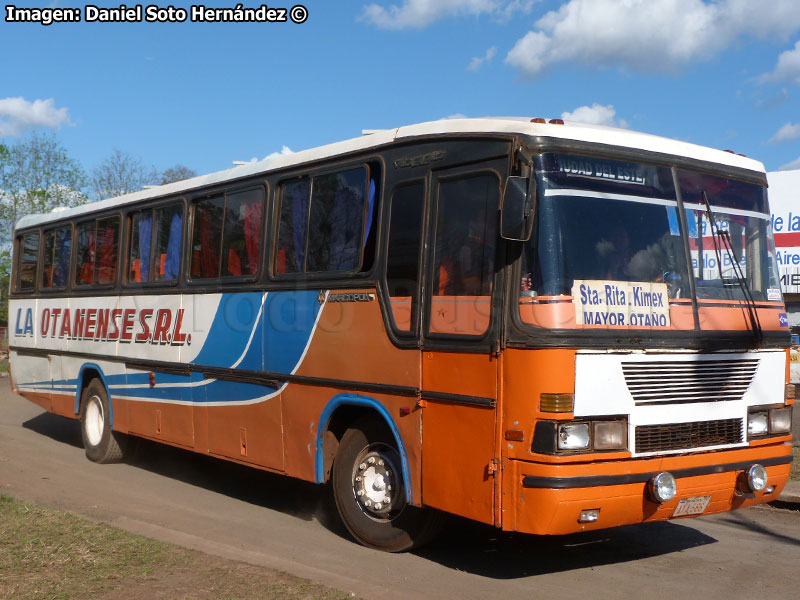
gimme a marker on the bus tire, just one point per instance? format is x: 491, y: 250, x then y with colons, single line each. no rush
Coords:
x: 369, y: 491
x: 101, y: 443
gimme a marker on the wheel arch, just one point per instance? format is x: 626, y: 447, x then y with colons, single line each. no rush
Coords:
x: 342, y: 411
x: 88, y: 372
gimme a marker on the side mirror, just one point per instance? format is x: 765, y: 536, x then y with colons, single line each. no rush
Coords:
x: 516, y: 215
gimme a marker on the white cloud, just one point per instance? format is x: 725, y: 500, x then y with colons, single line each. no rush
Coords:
x: 596, y: 114
x: 788, y: 67
x: 795, y: 164
x: 284, y: 150
x: 17, y: 115
x: 477, y: 62
x: 787, y: 133
x: 416, y: 14
x: 454, y: 116
x: 646, y: 35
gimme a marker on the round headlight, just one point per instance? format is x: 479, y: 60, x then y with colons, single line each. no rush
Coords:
x: 757, y: 478
x: 663, y: 487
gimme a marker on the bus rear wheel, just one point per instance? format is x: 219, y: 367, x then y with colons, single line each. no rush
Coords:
x: 101, y: 443
x: 369, y: 491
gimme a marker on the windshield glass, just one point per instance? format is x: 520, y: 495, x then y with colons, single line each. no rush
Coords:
x: 608, y: 248
x: 739, y: 210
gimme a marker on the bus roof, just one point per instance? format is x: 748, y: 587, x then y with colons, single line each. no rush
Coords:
x: 495, y: 125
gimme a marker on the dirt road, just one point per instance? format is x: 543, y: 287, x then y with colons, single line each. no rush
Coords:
x: 244, y: 514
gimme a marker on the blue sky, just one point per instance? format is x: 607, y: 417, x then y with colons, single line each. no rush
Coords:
x: 723, y: 74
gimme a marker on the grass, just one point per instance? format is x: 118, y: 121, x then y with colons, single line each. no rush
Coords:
x: 795, y: 473
x: 56, y: 555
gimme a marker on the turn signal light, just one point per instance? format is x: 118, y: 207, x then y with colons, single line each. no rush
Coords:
x: 556, y: 403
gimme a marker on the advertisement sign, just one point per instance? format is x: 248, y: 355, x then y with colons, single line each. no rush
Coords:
x: 784, y: 202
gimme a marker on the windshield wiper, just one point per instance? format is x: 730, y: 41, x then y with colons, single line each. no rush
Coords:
x: 725, y: 236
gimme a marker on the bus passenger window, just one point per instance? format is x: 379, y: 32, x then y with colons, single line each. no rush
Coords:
x: 207, y: 237
x: 242, y: 235
x: 85, y: 257
x: 295, y: 196
x: 139, y: 257
x: 108, y: 245
x: 57, y: 246
x: 29, y: 256
x: 402, y: 261
x: 336, y: 223
x: 167, y: 240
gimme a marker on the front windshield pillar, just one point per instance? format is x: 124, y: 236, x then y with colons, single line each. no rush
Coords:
x: 682, y: 215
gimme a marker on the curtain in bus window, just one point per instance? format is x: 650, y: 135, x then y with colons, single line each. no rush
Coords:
x: 56, y: 258
x: 172, y: 264
x: 84, y: 265
x: 62, y: 253
x: 290, y: 257
x: 207, y: 238
x: 336, y: 221
x: 139, y: 256
x: 242, y: 233
x: 167, y: 240
x: 107, y: 239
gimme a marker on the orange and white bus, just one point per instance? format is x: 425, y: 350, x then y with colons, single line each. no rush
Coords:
x: 542, y: 326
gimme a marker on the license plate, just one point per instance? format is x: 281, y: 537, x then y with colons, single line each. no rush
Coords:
x: 691, y: 506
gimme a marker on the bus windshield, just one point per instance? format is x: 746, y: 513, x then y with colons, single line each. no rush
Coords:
x: 609, y: 245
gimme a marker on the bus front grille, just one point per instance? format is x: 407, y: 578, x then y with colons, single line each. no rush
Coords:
x: 682, y: 436
x: 678, y: 382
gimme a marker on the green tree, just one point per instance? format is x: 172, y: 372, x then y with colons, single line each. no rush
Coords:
x: 36, y: 176
x: 121, y: 174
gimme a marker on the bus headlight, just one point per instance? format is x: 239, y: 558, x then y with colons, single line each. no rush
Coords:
x: 663, y: 487
x: 573, y: 436
x: 757, y: 424
x: 780, y: 420
x: 757, y: 478
x: 610, y: 435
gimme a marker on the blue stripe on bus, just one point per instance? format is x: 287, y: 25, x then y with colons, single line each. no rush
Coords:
x: 277, y: 339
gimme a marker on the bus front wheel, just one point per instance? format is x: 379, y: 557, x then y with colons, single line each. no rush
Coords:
x: 101, y: 443
x: 369, y: 491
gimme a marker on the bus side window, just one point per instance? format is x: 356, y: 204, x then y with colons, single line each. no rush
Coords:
x: 139, y: 256
x: 167, y: 239
x: 108, y: 246
x: 336, y: 222
x: 207, y: 237
x: 242, y: 234
x: 402, y: 261
x: 57, y: 246
x: 29, y: 257
x: 85, y: 257
x: 295, y: 196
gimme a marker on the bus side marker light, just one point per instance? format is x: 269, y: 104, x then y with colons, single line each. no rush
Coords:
x: 662, y: 487
x: 152, y: 378
x: 514, y: 435
x: 404, y: 411
x: 556, y: 403
x: 757, y: 478
x: 589, y: 516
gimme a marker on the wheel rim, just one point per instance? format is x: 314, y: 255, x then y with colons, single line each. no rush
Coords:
x: 95, y: 420
x: 376, y: 482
